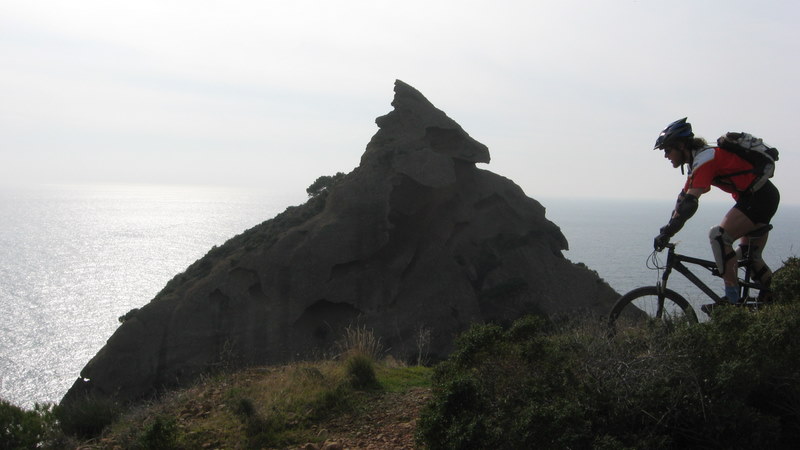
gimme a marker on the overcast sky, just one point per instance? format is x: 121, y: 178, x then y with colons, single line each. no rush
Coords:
x: 568, y: 95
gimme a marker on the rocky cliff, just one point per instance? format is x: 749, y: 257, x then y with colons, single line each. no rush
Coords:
x: 416, y: 237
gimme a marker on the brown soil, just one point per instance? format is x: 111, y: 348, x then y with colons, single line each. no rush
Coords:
x: 390, y: 423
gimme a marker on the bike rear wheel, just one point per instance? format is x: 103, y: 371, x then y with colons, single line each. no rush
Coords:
x: 643, y: 305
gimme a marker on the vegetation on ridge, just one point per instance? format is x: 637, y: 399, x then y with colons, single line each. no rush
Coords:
x: 733, y: 382
x: 261, y: 407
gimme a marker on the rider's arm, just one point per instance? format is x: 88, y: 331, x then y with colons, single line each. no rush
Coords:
x: 695, y: 192
x: 685, y: 208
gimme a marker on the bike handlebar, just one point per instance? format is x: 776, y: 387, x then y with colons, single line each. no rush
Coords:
x: 668, y: 245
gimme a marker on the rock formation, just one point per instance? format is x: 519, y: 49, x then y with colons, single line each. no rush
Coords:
x: 415, y: 238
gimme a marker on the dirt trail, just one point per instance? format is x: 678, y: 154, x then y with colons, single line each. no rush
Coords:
x: 390, y: 424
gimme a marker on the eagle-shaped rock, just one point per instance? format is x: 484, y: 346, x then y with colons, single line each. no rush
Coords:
x: 415, y: 238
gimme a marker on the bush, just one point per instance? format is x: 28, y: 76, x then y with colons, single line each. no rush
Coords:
x: 25, y: 429
x: 510, y: 388
x: 260, y: 431
x: 87, y: 417
x: 786, y: 281
x: 733, y: 382
x: 361, y: 372
x: 162, y: 434
x: 323, y: 184
x: 748, y: 367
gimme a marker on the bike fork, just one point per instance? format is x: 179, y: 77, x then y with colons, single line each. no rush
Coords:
x: 661, y: 296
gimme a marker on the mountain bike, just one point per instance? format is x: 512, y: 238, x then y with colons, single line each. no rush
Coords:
x: 658, y: 303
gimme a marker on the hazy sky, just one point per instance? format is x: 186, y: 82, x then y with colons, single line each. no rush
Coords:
x: 568, y: 95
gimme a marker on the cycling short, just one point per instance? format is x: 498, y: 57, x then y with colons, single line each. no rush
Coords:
x: 760, y: 206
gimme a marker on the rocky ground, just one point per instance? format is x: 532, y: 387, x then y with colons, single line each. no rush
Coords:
x: 390, y: 424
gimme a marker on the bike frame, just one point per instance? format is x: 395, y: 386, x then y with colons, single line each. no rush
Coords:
x: 676, y: 261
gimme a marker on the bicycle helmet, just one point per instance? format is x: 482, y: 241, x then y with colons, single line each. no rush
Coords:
x: 676, y: 130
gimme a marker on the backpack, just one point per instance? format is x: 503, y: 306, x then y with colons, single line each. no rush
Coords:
x: 754, y: 151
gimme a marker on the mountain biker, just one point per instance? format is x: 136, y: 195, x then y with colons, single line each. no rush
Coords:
x: 714, y: 166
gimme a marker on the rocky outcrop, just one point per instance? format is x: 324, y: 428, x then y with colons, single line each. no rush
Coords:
x: 415, y: 238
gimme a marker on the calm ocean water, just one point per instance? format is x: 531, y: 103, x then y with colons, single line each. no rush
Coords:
x: 75, y: 258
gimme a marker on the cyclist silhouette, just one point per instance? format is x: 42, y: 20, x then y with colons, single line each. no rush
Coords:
x: 714, y: 166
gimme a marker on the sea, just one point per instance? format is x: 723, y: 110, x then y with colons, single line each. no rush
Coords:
x: 73, y: 259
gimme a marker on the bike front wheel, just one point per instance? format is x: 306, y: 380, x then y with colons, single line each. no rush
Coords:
x: 645, y: 304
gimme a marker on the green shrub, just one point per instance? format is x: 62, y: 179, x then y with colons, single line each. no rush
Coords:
x: 748, y: 367
x: 733, y: 382
x: 332, y: 401
x: 245, y: 408
x: 87, y: 417
x: 510, y: 388
x: 162, y: 434
x: 324, y: 183
x: 261, y: 431
x: 360, y: 372
x: 786, y: 281
x: 22, y: 429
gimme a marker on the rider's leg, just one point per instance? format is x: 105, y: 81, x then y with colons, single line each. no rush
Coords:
x: 733, y: 226
x: 759, y: 268
x: 751, y: 208
x: 759, y: 206
x: 755, y: 247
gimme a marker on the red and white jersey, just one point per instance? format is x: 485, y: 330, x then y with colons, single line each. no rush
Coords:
x: 710, y: 167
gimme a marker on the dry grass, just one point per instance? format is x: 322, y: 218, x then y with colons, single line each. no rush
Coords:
x: 358, y: 340
x: 267, y: 407
x: 253, y: 407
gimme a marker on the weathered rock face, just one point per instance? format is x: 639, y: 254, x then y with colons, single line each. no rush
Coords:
x: 414, y: 238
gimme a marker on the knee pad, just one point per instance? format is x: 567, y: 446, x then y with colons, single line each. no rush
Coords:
x: 720, y: 241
